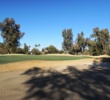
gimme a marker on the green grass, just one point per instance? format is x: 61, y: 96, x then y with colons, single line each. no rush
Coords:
x: 16, y: 58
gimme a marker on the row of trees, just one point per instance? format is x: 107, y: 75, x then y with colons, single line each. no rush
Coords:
x: 97, y: 44
x: 4, y: 49
x: 11, y: 34
x: 47, y: 50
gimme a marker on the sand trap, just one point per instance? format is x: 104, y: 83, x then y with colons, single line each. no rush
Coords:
x: 49, y: 80
x: 12, y: 85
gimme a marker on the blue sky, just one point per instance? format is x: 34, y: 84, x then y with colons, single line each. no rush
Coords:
x: 42, y: 21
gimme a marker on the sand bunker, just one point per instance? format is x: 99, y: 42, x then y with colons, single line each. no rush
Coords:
x: 54, y: 80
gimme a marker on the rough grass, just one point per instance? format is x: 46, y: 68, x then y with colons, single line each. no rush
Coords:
x: 16, y: 58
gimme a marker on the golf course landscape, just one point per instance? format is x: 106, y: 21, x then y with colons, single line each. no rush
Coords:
x: 55, y: 50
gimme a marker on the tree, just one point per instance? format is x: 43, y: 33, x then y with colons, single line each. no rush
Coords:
x: 19, y: 50
x: 61, y: 51
x: 35, y: 50
x: 2, y: 48
x: 26, y: 48
x: 93, y: 47
x: 102, y: 39
x: 10, y: 31
x: 81, y: 41
x: 37, y: 45
x: 76, y: 48
x: 51, y: 49
x: 67, y: 40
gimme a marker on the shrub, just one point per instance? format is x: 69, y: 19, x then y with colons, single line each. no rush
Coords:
x: 35, y: 51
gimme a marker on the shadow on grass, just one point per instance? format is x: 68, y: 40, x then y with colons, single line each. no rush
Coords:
x: 72, y: 84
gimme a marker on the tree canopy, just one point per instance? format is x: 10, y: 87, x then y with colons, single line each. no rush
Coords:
x: 50, y: 49
x: 26, y: 48
x: 10, y: 31
x: 97, y: 44
x: 101, y: 39
x: 67, y: 40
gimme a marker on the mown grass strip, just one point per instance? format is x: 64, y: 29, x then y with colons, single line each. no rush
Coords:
x: 16, y: 58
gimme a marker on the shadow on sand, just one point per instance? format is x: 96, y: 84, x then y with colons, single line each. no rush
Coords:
x: 72, y: 84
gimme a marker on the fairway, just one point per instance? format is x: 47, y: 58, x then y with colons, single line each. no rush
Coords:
x: 16, y: 58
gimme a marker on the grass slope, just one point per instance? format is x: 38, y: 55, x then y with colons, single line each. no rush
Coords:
x: 16, y: 58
